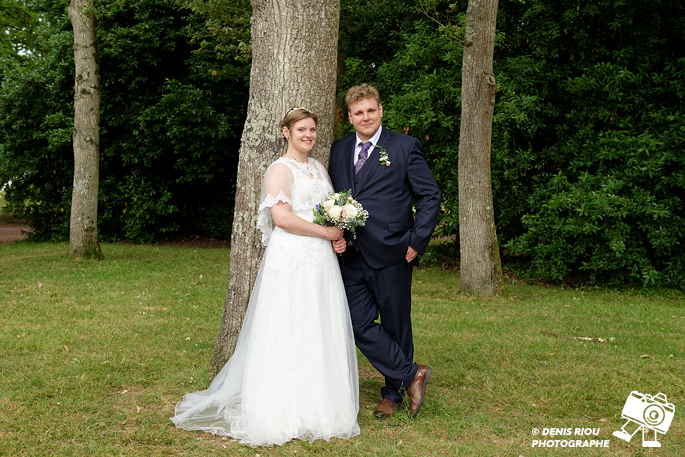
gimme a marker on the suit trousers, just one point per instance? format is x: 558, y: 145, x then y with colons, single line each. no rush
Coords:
x: 387, y: 344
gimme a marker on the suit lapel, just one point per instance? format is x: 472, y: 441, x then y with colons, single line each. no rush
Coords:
x: 372, y: 165
x: 348, y: 160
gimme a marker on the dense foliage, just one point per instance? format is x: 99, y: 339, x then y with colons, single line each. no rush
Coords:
x: 17, y: 25
x: 588, y: 159
x: 36, y: 107
x: 170, y: 125
x: 609, y: 83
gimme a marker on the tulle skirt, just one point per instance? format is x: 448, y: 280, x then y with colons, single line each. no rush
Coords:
x: 294, y: 371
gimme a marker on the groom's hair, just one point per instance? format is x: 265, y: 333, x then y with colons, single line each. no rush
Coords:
x: 357, y: 93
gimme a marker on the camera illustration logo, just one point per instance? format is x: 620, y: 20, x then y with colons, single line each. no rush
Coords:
x: 645, y: 412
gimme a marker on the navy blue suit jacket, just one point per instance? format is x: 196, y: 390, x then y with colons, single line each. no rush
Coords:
x: 388, y: 193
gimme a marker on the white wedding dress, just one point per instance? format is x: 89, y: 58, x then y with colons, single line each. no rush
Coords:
x: 294, y: 371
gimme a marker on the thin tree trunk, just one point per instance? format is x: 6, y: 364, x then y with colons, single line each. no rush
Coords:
x: 481, y: 268
x: 294, y: 57
x: 83, y: 233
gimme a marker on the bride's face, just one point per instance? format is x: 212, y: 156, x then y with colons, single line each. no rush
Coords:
x: 302, y: 135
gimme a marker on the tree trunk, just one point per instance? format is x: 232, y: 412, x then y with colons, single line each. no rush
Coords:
x: 294, y: 58
x: 83, y: 233
x: 481, y: 268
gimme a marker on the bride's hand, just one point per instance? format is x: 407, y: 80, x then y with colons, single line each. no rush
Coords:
x: 334, y: 233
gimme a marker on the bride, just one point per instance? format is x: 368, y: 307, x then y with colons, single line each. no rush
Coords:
x: 294, y: 370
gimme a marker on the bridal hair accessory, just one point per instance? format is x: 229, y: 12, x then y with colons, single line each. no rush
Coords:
x: 296, y: 108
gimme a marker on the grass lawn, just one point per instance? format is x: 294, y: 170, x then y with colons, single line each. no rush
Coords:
x: 94, y: 357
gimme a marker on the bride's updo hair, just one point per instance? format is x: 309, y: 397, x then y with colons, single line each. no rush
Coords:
x: 297, y: 114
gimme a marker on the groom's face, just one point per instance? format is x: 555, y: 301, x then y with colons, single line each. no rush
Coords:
x: 365, y: 115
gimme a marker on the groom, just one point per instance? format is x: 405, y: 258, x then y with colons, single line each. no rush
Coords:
x: 386, y: 172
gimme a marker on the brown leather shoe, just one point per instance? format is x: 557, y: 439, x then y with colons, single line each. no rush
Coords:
x: 417, y: 390
x: 386, y: 408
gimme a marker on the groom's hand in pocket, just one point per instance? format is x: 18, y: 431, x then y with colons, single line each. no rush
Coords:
x: 411, y: 254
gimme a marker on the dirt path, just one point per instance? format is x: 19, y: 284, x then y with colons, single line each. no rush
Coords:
x: 9, y: 235
x: 10, y: 229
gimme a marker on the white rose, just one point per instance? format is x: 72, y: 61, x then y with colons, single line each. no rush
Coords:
x: 350, y: 210
x: 328, y: 203
x: 335, y: 211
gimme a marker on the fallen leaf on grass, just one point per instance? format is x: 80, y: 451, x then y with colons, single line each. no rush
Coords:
x: 583, y: 338
x: 22, y: 335
x: 603, y: 419
x: 601, y: 340
x: 124, y: 391
x: 188, y: 339
x: 66, y: 348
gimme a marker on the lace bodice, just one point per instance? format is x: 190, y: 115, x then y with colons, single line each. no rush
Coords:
x: 300, y: 185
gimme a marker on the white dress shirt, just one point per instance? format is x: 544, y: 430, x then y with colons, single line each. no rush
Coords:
x: 374, y: 140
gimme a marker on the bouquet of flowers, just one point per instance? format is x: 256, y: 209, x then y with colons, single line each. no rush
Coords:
x: 341, y: 210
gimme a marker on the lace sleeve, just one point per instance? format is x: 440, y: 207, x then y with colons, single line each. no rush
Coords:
x: 278, y: 180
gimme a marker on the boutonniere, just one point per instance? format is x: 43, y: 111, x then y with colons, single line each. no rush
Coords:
x: 384, y: 157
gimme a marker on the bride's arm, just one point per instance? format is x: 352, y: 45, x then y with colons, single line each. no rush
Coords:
x: 276, y: 195
x: 293, y: 223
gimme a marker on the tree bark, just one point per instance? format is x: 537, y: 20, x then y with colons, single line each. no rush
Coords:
x: 294, y: 58
x: 481, y: 268
x: 83, y: 231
